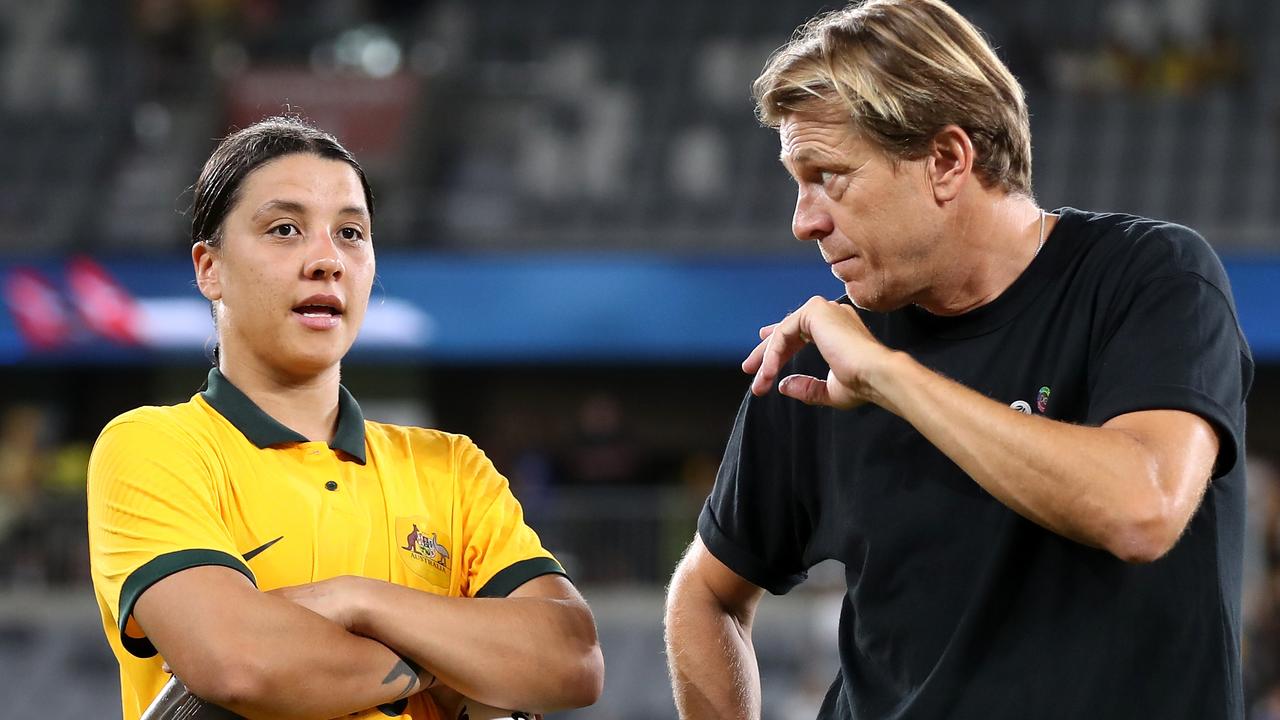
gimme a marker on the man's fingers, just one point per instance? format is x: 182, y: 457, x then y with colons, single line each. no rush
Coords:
x: 805, y: 388
x: 780, y: 341
x: 783, y: 343
x: 752, y: 363
x: 834, y: 328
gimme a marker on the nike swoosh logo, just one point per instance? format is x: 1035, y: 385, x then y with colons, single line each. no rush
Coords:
x: 258, y: 550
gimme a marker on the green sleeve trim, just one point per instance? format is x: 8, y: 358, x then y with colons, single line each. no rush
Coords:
x: 158, y: 569
x: 517, y: 574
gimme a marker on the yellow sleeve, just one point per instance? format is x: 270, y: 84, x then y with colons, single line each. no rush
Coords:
x: 153, y: 511
x: 500, y: 552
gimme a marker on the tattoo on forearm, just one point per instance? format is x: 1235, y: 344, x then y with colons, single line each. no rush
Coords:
x: 405, y: 668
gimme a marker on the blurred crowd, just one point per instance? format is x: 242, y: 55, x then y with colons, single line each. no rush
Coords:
x: 511, y: 125
x: 1181, y: 47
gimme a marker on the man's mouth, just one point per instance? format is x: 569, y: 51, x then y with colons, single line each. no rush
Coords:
x: 842, y: 268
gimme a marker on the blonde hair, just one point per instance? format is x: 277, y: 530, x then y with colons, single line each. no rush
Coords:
x: 903, y: 70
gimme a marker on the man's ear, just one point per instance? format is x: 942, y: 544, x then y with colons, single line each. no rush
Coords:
x: 206, y: 262
x: 950, y: 162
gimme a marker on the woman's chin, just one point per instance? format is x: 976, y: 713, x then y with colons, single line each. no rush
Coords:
x: 306, y: 362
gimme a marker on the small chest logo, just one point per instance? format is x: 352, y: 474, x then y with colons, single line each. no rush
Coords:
x: 1042, y: 399
x: 1042, y: 402
x: 423, y: 550
x: 427, y: 549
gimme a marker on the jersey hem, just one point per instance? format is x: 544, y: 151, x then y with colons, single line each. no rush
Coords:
x: 154, y: 571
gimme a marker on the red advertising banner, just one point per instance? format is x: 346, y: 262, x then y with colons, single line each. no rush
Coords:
x: 367, y: 114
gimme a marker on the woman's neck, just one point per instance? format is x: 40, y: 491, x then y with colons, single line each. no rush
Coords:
x: 307, y: 404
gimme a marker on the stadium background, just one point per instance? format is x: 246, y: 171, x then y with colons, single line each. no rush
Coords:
x: 579, y: 228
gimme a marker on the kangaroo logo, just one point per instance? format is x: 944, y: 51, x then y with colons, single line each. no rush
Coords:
x: 427, y: 549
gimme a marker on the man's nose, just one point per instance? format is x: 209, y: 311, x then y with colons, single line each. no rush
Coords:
x: 811, y: 221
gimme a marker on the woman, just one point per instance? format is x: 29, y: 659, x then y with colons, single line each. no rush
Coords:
x: 259, y: 540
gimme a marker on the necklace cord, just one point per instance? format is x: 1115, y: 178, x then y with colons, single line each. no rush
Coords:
x: 1039, y: 246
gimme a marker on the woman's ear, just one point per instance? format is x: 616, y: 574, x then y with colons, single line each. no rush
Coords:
x: 205, y: 261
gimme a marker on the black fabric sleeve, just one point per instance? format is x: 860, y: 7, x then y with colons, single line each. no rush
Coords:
x: 753, y: 521
x: 1177, y: 346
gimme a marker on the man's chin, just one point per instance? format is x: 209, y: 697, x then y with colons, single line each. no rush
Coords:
x: 857, y: 302
x: 863, y: 299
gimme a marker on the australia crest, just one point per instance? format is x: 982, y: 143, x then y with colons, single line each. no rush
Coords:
x: 423, y: 550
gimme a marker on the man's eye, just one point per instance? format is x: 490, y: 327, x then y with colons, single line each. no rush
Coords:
x: 350, y: 233
x: 827, y: 176
x: 284, y: 230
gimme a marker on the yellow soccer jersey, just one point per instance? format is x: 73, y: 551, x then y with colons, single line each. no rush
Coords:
x: 216, y: 481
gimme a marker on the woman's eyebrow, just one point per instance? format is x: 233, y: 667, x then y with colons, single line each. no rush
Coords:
x: 297, y: 208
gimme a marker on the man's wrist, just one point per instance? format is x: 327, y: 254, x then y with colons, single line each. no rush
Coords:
x: 887, y: 378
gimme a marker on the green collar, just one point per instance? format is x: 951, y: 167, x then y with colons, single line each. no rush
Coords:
x: 263, y: 430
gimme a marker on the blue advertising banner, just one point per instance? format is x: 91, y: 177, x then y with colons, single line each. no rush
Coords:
x: 476, y: 308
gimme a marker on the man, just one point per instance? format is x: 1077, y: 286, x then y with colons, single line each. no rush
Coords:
x: 1021, y: 433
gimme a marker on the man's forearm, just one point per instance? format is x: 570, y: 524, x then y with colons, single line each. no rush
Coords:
x: 714, y: 675
x: 1098, y: 486
x: 536, y: 654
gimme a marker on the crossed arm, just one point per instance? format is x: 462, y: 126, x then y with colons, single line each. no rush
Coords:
x: 326, y: 649
x: 535, y: 649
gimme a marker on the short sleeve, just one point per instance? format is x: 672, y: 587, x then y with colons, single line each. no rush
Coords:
x: 501, y: 552
x: 1177, y: 347
x: 152, y: 512
x: 752, y: 521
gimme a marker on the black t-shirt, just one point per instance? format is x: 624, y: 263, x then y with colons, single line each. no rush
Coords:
x: 958, y: 607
